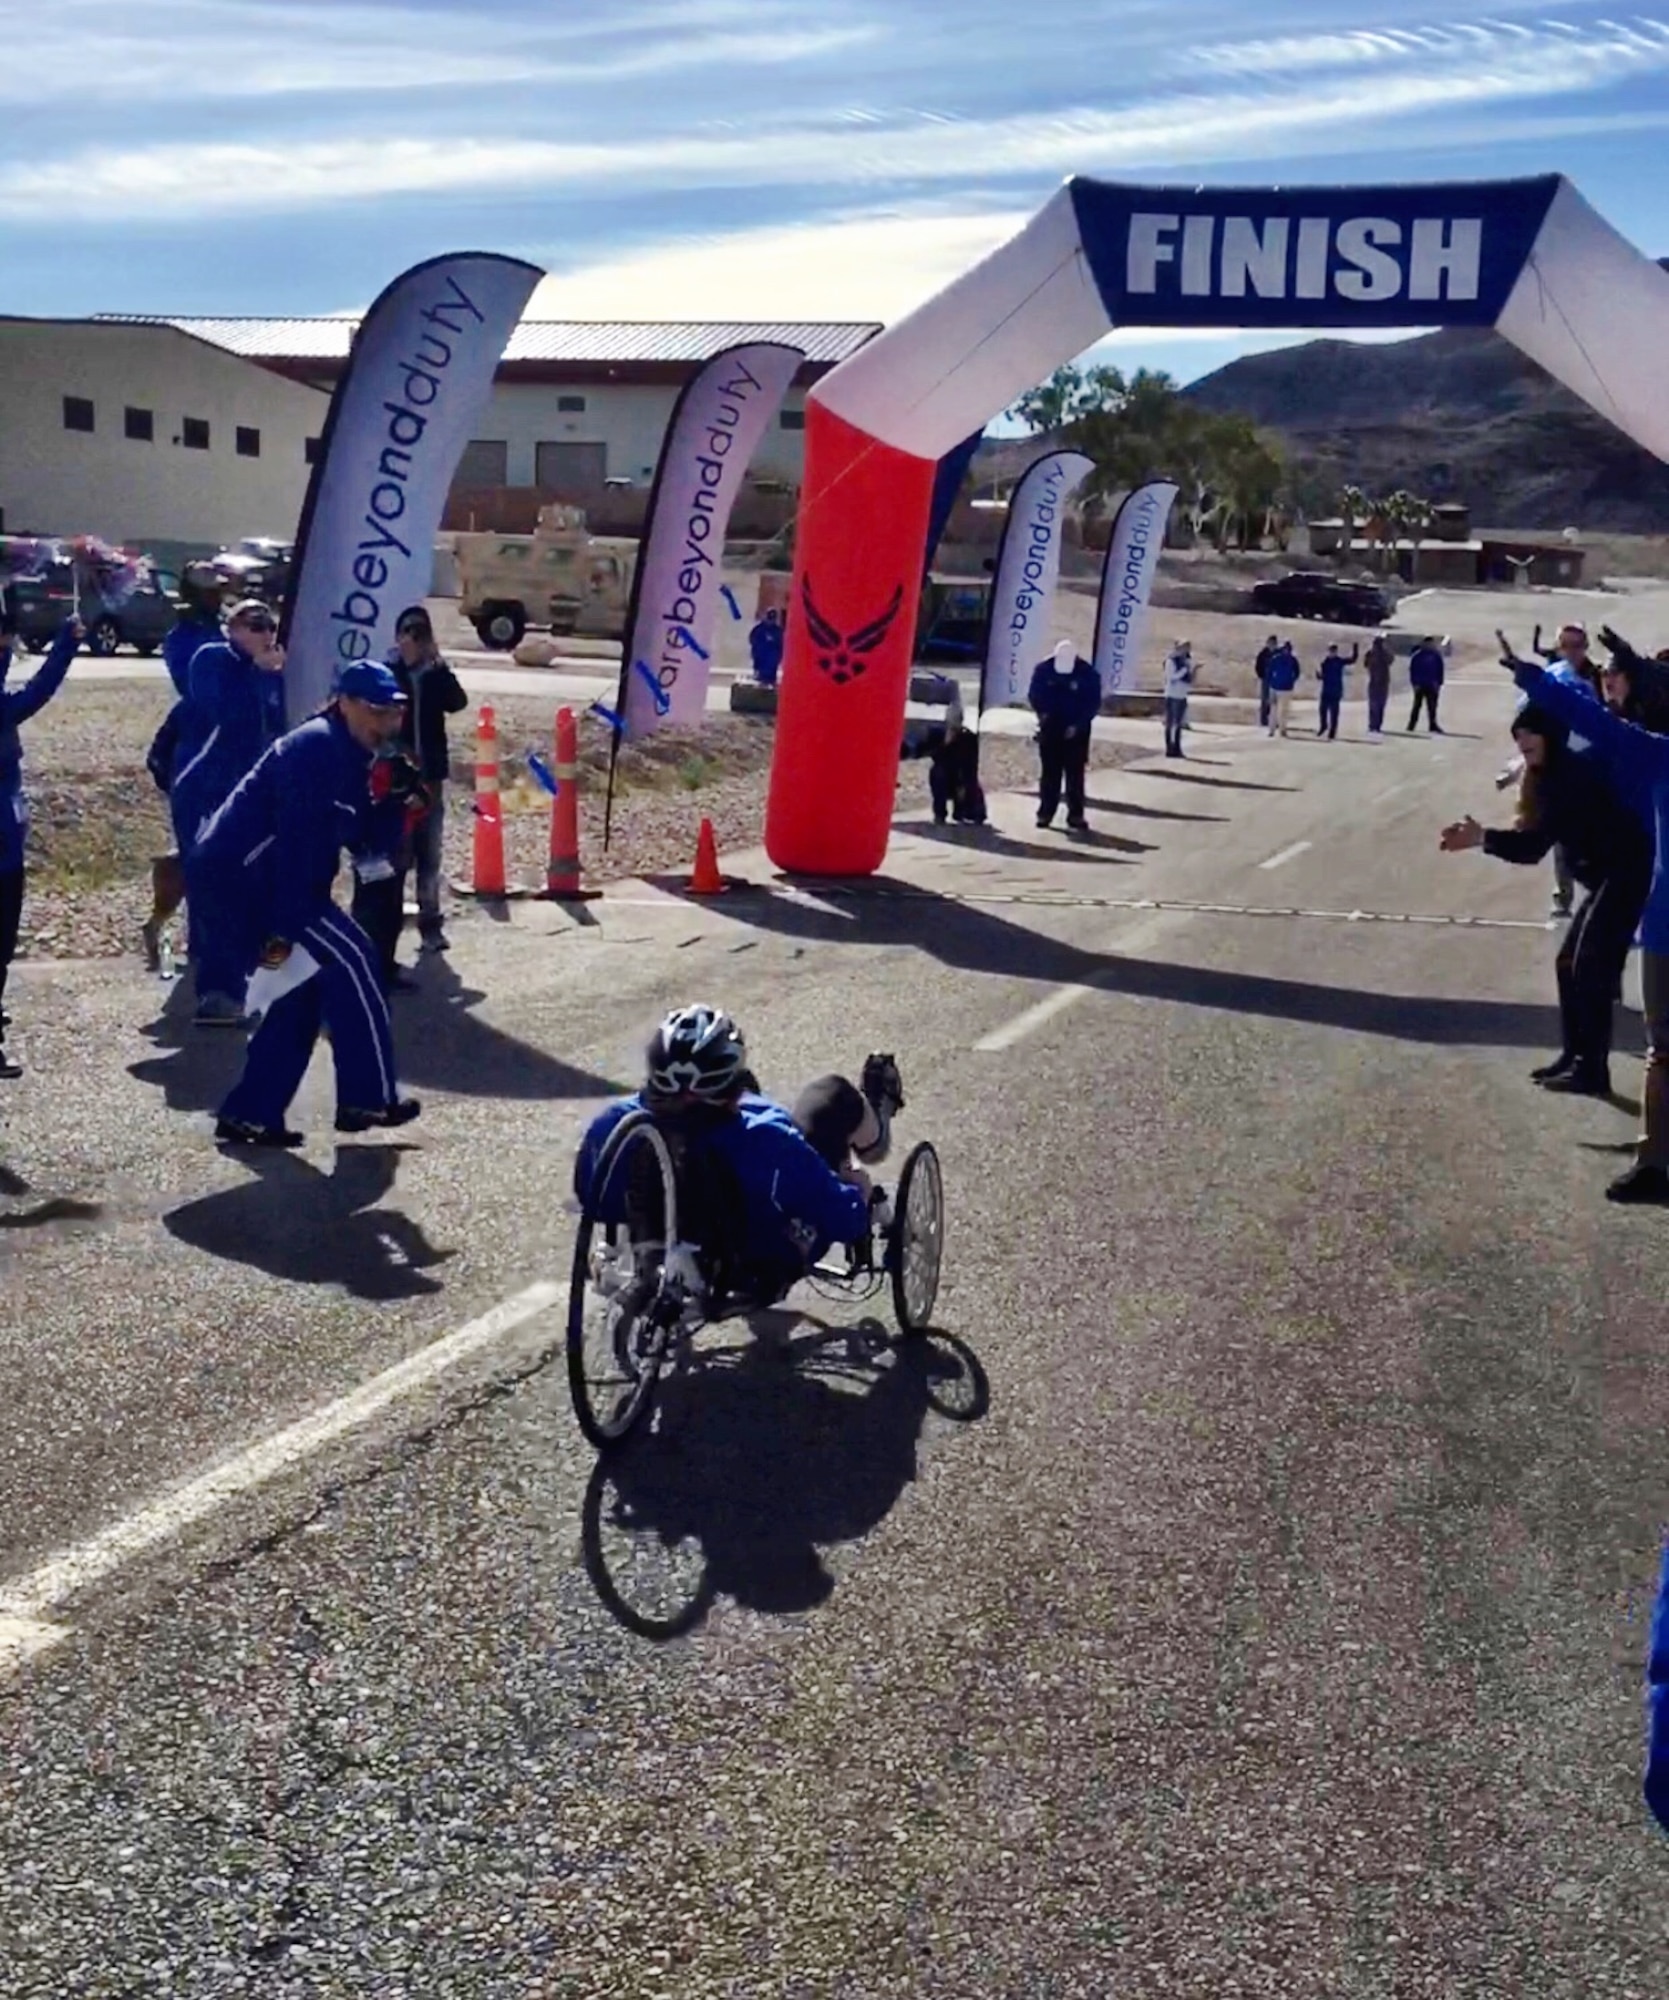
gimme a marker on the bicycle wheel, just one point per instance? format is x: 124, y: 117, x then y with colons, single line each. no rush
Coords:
x: 620, y: 1319
x: 916, y: 1242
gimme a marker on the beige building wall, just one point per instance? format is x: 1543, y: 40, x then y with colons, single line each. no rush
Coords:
x: 629, y: 419
x: 58, y: 480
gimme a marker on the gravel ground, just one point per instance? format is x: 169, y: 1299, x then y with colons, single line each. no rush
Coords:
x: 98, y: 820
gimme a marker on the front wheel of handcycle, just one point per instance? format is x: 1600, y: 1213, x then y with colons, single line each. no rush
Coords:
x: 622, y: 1315
x: 916, y: 1244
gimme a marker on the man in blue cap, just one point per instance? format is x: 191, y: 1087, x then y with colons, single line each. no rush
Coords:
x: 272, y: 853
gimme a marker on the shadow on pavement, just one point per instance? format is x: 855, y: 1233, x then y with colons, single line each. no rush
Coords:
x: 438, y: 1043
x: 770, y: 1453
x: 1063, y: 846
x: 974, y: 937
x: 1217, y: 784
x: 312, y: 1228
x: 1133, y: 811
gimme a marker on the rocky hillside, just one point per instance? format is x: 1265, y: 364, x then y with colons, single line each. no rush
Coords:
x: 1456, y: 415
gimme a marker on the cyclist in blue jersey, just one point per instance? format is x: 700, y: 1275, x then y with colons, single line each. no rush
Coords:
x: 778, y: 1188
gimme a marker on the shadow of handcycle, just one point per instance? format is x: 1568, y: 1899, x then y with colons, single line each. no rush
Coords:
x: 765, y: 1453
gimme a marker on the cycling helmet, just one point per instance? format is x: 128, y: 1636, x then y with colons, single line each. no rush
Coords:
x: 698, y: 1053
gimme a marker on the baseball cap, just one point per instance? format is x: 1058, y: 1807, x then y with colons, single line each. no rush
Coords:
x: 370, y: 681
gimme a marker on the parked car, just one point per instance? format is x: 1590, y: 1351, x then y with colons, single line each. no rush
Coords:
x: 136, y: 617
x: 1314, y: 594
x: 259, y: 567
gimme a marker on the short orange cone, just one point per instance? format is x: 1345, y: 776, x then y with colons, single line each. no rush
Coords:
x: 706, y: 880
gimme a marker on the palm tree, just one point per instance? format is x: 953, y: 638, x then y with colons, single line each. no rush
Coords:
x: 1353, y: 506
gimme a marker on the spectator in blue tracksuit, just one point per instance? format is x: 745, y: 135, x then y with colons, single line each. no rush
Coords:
x: 1066, y: 698
x: 234, y: 709
x: 1637, y: 763
x: 1331, y: 675
x: 270, y: 858
x: 765, y: 642
x: 1425, y: 677
x: 17, y: 705
x: 202, y: 594
x: 1280, y: 677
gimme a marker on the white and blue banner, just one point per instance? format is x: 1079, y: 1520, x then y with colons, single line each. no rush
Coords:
x: 1017, y: 634
x: 1134, y: 545
x: 716, y: 427
x: 418, y: 377
x: 1530, y: 258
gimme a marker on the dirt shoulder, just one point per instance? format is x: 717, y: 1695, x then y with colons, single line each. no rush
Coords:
x: 98, y: 820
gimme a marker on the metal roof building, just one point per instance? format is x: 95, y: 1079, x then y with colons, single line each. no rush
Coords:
x: 623, y: 350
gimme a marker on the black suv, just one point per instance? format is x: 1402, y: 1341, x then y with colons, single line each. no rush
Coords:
x: 1308, y: 593
x: 138, y: 618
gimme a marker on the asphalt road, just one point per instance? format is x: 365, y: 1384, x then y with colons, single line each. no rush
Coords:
x: 1244, y: 1596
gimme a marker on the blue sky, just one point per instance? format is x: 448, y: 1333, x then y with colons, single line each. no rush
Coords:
x: 745, y: 159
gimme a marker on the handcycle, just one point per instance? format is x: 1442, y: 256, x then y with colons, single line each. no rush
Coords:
x: 650, y: 1270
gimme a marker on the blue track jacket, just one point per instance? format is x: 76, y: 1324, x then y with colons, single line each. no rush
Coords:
x: 272, y: 852
x: 233, y: 712
x: 1280, y: 676
x: 796, y: 1206
x: 16, y: 707
x: 181, y: 645
x: 1637, y: 764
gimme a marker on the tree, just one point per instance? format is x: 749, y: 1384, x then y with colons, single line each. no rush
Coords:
x: 1353, y: 506
x: 1069, y: 396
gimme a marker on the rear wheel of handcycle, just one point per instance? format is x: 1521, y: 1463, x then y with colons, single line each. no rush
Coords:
x: 621, y: 1318
x: 916, y: 1245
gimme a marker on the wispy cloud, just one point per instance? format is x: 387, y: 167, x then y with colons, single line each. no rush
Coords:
x: 863, y: 148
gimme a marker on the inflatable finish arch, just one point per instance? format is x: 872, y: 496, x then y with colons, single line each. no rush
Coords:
x: 1528, y: 257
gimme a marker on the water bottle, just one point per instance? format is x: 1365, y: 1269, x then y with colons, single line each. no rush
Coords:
x: 166, y: 954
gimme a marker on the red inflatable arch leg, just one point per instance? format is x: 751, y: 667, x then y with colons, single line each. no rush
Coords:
x: 851, y: 637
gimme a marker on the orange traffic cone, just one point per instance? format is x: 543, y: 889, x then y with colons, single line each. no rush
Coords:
x: 489, y: 812
x: 706, y: 879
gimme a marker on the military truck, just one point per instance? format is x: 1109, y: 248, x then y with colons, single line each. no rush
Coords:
x: 561, y: 577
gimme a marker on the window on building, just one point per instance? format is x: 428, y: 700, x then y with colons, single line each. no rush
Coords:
x: 310, y: 451
x: 140, y: 425
x: 570, y: 405
x: 793, y: 420
x: 194, y: 433
x: 78, y: 413
x: 249, y: 442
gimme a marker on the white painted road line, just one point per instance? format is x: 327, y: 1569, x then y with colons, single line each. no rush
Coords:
x: 1287, y: 854
x: 1034, y: 1017
x: 1039, y: 1015
x: 1390, y: 793
x: 26, y: 1605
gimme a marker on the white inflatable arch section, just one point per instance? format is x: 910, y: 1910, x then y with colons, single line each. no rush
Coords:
x: 1527, y: 257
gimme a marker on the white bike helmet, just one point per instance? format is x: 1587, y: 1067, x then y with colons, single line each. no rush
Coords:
x: 697, y: 1053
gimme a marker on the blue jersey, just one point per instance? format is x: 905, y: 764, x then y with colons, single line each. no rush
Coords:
x: 795, y: 1206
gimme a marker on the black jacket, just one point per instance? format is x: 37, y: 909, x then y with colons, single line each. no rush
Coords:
x: 1603, y: 840
x: 434, y: 693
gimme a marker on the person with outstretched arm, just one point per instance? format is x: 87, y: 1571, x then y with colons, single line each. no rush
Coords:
x: 1570, y: 802
x: 1637, y: 763
x: 17, y: 706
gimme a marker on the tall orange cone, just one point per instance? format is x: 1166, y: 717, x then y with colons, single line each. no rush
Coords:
x: 562, y: 876
x: 490, y: 878
x: 706, y: 879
